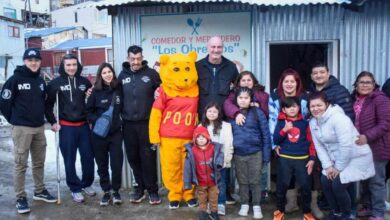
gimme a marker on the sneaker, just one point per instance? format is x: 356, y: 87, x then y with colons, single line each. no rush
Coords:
x: 244, y: 210
x: 332, y: 216
x: 22, y: 205
x: 154, y: 199
x: 192, y: 203
x: 364, y: 212
x: 221, y: 209
x: 106, y: 199
x: 257, y: 212
x: 387, y: 205
x: 117, y: 200
x: 137, y: 196
x: 89, y: 191
x: 44, y: 196
x: 278, y: 215
x: 203, y: 215
x: 214, y: 216
x: 174, y: 204
x: 308, y: 216
x: 229, y: 199
x: 78, y: 197
x: 376, y: 218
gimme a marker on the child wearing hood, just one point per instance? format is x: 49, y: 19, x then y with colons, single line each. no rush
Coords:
x: 203, y: 161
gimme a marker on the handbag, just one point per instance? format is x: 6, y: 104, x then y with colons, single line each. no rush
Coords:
x: 103, y: 123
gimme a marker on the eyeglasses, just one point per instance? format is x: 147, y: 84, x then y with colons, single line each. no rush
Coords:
x: 365, y: 83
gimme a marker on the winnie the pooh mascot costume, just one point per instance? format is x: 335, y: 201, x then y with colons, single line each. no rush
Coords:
x: 173, y: 120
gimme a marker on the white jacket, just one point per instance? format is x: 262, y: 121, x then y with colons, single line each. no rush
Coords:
x: 225, y: 138
x: 334, y: 137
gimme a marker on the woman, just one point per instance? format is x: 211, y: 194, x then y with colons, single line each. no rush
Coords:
x: 106, y: 93
x: 372, y: 119
x: 343, y: 161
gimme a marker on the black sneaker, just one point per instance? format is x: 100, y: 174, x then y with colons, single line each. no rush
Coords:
x: 22, y: 205
x: 154, y: 199
x: 192, y: 203
x: 229, y: 199
x: 137, y: 196
x: 117, y: 200
x: 214, y: 216
x: 106, y: 199
x: 44, y: 196
x: 174, y: 204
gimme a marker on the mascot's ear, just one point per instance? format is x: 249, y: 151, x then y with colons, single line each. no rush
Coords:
x: 164, y: 59
x: 193, y: 55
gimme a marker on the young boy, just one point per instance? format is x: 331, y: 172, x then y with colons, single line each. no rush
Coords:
x: 202, y: 164
x: 296, y: 156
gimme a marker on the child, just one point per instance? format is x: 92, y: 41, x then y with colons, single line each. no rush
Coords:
x: 296, y: 153
x: 220, y: 132
x: 203, y: 158
x: 252, y: 147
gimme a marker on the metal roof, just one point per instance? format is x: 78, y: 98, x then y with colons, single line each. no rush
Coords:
x: 108, y: 3
x: 47, y: 31
x: 84, y: 43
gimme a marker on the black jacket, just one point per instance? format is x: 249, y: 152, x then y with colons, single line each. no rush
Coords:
x: 214, y: 87
x: 138, y: 91
x: 386, y: 87
x: 100, y: 101
x: 337, y: 94
x: 71, y: 95
x: 22, y: 100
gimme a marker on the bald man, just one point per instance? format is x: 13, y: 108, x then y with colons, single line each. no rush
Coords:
x: 216, y: 73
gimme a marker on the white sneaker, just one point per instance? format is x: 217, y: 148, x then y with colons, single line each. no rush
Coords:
x: 221, y: 209
x: 387, y: 205
x: 244, y: 210
x: 257, y: 212
x: 78, y: 197
x: 89, y: 191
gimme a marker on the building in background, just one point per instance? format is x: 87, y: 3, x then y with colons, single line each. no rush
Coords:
x: 57, y: 4
x: 37, y: 17
x: 97, y: 23
x: 11, y: 46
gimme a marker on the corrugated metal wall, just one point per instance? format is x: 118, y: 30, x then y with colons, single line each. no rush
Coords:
x: 363, y: 37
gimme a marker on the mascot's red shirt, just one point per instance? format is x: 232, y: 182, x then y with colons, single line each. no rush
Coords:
x: 179, y: 115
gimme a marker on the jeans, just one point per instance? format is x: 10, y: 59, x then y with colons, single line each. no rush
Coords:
x: 222, y: 183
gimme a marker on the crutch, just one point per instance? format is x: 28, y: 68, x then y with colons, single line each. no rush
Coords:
x: 58, y: 154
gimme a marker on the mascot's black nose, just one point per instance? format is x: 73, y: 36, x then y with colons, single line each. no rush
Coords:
x: 185, y: 80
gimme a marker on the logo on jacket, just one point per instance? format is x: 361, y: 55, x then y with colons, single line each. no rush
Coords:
x: 82, y: 87
x: 118, y: 100
x: 65, y: 88
x: 6, y: 94
x: 42, y: 88
x: 24, y: 86
x: 126, y: 80
x: 145, y: 79
x: 293, y: 134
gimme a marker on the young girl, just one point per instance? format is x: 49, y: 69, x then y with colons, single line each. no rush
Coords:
x: 252, y: 147
x: 220, y: 132
x: 108, y: 149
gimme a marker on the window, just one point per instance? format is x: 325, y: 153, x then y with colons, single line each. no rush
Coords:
x: 9, y: 12
x: 102, y: 17
x: 13, y: 31
x: 109, y: 56
x: 75, y: 16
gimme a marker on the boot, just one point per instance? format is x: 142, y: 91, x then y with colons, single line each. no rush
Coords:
x: 318, y: 214
x: 291, y: 197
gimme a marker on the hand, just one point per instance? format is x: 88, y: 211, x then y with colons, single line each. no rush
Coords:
x: 329, y: 172
x: 277, y: 150
x: 157, y: 93
x: 240, y: 119
x: 88, y: 92
x: 56, y: 127
x: 362, y: 139
x: 254, y: 104
x: 335, y: 173
x: 287, y: 126
x: 154, y: 147
x: 310, y: 166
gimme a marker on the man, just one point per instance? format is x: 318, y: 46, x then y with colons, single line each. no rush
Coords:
x: 336, y: 93
x: 73, y: 127
x: 139, y: 83
x: 216, y: 74
x: 215, y: 77
x: 22, y: 104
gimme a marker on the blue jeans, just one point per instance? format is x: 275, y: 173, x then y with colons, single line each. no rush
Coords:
x: 223, y: 182
x: 337, y: 195
x: 374, y: 190
x: 71, y: 139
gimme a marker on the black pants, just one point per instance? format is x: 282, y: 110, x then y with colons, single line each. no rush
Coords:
x: 141, y: 157
x: 106, y: 150
x: 286, y: 169
x: 337, y: 195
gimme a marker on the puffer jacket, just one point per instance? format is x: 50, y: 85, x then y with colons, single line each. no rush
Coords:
x: 225, y: 138
x: 334, y: 138
x: 374, y: 122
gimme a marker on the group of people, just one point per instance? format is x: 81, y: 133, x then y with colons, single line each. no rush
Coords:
x: 325, y: 139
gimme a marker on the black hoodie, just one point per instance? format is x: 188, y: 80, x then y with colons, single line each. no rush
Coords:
x: 71, y: 95
x: 138, y: 91
x: 22, y: 99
